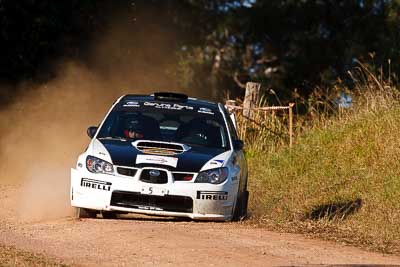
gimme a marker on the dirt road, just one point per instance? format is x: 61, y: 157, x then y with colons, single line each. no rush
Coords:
x: 139, y: 240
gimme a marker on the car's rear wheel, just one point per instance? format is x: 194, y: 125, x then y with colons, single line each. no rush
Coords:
x: 84, y: 213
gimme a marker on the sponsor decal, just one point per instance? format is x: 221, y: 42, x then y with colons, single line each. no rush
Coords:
x: 206, y: 111
x: 95, y: 184
x: 131, y: 104
x: 212, y: 195
x: 167, y: 106
x: 153, y: 159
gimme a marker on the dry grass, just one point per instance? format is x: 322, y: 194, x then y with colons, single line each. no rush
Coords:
x: 10, y: 256
x: 342, y: 178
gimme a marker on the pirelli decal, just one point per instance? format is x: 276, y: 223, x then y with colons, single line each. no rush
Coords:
x: 212, y: 195
x: 95, y: 184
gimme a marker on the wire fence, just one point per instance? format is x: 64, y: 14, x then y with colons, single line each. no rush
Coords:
x: 263, y: 122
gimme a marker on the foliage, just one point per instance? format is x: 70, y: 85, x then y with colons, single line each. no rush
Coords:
x: 35, y: 32
x: 289, y: 46
x: 341, y: 179
x: 295, y: 44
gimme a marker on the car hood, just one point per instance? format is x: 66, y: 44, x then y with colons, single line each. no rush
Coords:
x: 123, y: 153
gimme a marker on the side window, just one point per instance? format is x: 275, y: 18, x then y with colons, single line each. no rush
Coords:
x: 232, y: 129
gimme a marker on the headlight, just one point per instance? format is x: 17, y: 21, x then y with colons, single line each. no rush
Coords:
x: 97, y: 165
x: 214, y: 176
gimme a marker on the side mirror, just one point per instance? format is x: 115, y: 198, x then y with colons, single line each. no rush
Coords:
x: 91, y: 131
x: 238, y: 144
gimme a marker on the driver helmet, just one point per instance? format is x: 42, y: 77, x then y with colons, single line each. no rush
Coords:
x: 134, y: 128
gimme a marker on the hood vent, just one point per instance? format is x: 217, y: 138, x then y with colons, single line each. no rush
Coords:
x: 160, y: 148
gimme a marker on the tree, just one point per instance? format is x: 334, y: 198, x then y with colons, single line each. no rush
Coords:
x: 218, y: 44
x: 293, y: 44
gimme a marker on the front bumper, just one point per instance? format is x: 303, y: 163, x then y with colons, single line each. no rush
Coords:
x: 197, y: 201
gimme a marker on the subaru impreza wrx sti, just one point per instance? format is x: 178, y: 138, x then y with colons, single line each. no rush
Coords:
x: 163, y: 154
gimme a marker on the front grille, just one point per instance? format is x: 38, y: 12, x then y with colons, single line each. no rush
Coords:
x: 126, y: 171
x: 182, y: 176
x: 154, y: 176
x: 151, y: 202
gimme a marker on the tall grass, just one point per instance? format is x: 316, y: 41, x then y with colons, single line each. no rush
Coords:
x: 341, y: 180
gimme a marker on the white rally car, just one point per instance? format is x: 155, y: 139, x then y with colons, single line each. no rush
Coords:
x: 163, y: 154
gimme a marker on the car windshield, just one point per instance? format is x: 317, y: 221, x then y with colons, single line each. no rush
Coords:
x: 205, y: 129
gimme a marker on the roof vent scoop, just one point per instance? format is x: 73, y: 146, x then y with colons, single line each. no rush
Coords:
x: 167, y: 96
x: 160, y: 148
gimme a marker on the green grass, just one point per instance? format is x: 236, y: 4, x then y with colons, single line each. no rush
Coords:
x: 340, y: 181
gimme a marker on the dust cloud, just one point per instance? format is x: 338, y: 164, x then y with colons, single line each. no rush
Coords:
x: 44, y: 130
x: 42, y: 134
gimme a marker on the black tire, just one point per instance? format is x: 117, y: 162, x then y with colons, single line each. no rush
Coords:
x: 245, y: 200
x: 84, y: 213
x: 240, y: 212
x: 236, y: 211
x: 109, y: 215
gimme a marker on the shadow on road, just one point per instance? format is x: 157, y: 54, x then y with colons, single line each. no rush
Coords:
x: 337, y: 210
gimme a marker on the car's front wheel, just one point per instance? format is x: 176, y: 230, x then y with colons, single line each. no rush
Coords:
x: 240, y: 211
x: 84, y: 213
x: 109, y: 215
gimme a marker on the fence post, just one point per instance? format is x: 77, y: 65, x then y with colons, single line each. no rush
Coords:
x: 251, y: 98
x: 291, y: 105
